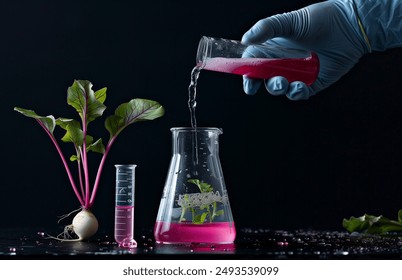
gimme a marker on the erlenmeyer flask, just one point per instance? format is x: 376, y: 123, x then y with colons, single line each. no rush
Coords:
x: 195, y: 207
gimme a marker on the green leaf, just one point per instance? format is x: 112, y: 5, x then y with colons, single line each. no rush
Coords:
x: 204, y: 206
x: 356, y: 224
x: 218, y: 213
x: 195, y: 182
x: 400, y: 216
x: 88, y: 104
x: 133, y: 111
x: 100, y: 95
x: 48, y: 122
x: 63, y: 122
x: 97, y: 147
x: 114, y: 124
x: 74, y: 133
x: 371, y: 224
x: 204, y: 187
x: 200, y: 219
x: 73, y: 158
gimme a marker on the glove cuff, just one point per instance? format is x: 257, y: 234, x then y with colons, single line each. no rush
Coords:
x: 381, y: 21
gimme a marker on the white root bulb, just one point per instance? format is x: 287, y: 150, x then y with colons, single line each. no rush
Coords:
x: 84, y: 225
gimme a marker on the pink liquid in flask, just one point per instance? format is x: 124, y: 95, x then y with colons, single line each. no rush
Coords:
x: 216, y: 232
x: 293, y: 69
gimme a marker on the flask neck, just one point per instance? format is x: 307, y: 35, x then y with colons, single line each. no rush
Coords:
x: 200, y: 141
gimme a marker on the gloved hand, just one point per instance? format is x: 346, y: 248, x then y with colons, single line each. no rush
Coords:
x: 339, y: 31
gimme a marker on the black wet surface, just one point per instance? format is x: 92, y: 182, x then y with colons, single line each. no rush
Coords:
x: 250, y: 244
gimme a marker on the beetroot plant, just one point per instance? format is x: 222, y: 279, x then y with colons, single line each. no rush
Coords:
x: 90, y: 105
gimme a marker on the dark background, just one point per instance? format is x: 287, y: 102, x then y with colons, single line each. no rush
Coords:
x: 287, y: 165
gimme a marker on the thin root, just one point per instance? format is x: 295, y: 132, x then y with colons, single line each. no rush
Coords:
x: 62, y: 217
x: 65, y: 235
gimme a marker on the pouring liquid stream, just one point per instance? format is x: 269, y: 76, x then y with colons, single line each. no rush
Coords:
x: 192, y: 94
x: 192, y: 103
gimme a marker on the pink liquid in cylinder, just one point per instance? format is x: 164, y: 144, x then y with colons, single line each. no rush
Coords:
x: 124, y: 226
x: 219, y: 232
x: 293, y: 69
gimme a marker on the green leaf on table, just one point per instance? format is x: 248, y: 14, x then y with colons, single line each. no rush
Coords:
x: 371, y: 224
x: 133, y: 111
x: 89, y: 104
x: 48, y: 122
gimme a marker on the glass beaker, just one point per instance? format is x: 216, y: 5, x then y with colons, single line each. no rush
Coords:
x: 257, y: 61
x: 194, y: 207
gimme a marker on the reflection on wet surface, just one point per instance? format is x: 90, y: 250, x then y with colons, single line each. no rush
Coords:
x: 250, y: 243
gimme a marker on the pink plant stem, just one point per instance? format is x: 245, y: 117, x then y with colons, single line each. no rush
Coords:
x: 86, y: 178
x: 85, y: 164
x: 80, y: 173
x: 64, y: 162
x: 98, y: 175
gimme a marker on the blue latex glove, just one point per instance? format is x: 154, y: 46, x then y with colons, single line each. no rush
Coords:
x: 339, y: 31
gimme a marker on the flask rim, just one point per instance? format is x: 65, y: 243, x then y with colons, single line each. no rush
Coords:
x: 203, y: 50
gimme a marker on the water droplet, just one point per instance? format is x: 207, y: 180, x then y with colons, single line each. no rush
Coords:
x: 41, y: 233
x: 12, y: 249
x: 343, y: 253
